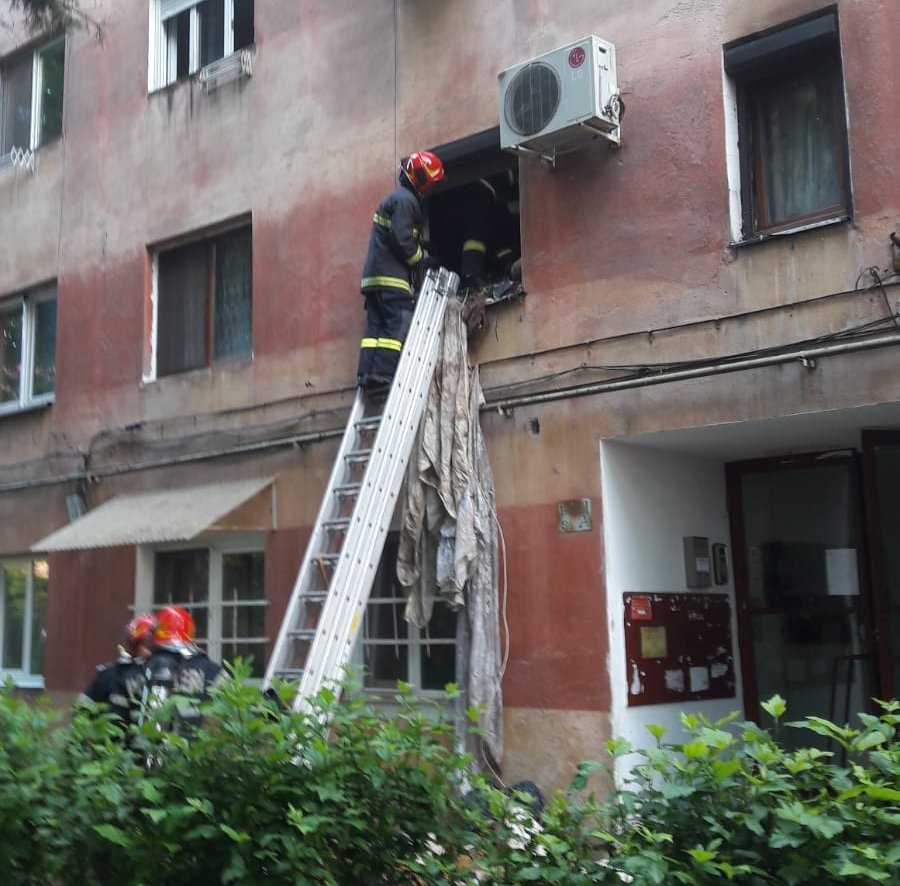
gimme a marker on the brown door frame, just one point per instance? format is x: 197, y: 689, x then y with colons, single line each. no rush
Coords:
x: 734, y: 473
x: 881, y: 625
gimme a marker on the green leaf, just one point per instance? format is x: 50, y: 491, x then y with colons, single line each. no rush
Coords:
x: 237, y: 836
x: 774, y: 707
x: 113, y: 834
x: 656, y: 730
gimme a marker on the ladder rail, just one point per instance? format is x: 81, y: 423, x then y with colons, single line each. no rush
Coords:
x: 316, y: 539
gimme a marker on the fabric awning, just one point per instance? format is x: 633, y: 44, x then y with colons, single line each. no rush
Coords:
x: 167, y: 515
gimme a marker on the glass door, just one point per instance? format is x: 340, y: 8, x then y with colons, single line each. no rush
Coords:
x: 881, y: 472
x: 801, y: 581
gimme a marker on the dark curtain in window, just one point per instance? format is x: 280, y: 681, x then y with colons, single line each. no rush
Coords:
x: 212, y: 30
x: 15, y: 126
x: 44, y: 375
x: 243, y: 23
x: 798, y: 139
x: 52, y: 63
x: 10, y: 353
x: 233, y: 322
x: 183, y: 288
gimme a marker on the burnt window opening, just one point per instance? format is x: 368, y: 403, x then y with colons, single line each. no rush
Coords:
x: 474, y: 226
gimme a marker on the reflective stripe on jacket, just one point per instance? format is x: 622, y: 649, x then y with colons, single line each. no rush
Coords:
x: 394, y: 245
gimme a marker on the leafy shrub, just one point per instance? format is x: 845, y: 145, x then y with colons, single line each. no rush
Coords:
x: 265, y: 795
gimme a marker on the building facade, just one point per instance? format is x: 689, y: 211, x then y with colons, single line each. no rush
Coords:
x: 691, y: 415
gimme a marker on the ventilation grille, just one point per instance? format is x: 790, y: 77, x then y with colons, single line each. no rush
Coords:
x: 532, y: 98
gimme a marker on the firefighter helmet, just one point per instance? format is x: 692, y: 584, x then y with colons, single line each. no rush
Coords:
x: 174, y: 628
x: 423, y: 169
x: 138, y: 632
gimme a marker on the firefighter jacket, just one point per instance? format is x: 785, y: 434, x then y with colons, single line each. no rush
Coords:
x: 184, y: 676
x: 119, y: 686
x: 395, y: 246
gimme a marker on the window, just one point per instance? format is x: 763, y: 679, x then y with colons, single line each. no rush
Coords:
x: 224, y: 590
x: 390, y: 649
x: 23, y: 608
x: 27, y: 350
x: 204, y: 302
x: 188, y: 35
x: 31, y: 97
x: 791, y: 133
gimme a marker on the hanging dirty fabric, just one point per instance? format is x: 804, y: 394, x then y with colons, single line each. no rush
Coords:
x: 448, y: 536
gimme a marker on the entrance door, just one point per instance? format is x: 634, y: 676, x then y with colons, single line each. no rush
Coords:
x: 801, y: 582
x: 881, y: 471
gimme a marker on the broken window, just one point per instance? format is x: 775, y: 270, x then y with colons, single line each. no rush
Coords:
x: 204, y: 302
x: 392, y: 649
x: 791, y: 121
x: 190, y: 34
x: 474, y: 215
x: 31, y: 95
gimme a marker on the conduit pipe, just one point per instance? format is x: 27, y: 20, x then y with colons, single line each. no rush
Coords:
x: 807, y: 356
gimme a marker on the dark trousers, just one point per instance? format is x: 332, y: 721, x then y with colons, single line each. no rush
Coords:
x: 388, y: 318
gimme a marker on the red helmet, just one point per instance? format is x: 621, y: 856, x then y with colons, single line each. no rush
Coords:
x: 423, y: 169
x: 139, y: 630
x: 174, y: 627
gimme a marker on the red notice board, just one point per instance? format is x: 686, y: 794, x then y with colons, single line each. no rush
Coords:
x: 678, y: 647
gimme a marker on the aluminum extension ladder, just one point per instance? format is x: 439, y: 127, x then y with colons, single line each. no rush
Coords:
x: 329, y: 598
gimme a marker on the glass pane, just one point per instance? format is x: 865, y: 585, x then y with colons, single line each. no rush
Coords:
x: 182, y: 578
x: 443, y: 622
x: 178, y: 32
x: 41, y: 575
x: 243, y: 576
x: 243, y: 23
x: 438, y: 665
x: 15, y: 126
x: 212, y: 30
x: 385, y: 665
x: 44, y: 378
x: 52, y: 62
x: 243, y: 621
x: 815, y: 662
x: 256, y: 651
x: 801, y: 547
x: 798, y: 121
x: 887, y: 469
x: 234, y: 286
x: 10, y: 352
x: 183, y: 283
x: 14, y: 587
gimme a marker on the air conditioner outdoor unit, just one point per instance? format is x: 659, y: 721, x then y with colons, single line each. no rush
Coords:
x: 562, y: 99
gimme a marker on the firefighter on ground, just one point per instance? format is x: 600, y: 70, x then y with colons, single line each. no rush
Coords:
x: 178, y: 669
x: 120, y: 685
x: 395, y: 253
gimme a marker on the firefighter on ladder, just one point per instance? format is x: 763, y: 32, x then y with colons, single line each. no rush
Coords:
x: 395, y: 253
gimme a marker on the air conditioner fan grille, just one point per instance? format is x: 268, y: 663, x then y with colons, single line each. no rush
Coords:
x: 532, y: 98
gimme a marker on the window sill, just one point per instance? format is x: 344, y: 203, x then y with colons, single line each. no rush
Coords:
x: 787, y: 232
x: 237, y: 58
x: 34, y: 406
x: 21, y: 681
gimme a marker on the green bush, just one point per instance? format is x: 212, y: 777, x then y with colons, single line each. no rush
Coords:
x: 265, y: 795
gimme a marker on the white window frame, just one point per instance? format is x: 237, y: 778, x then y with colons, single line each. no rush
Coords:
x: 28, y: 303
x: 238, y: 543
x: 22, y: 677
x: 415, y: 641
x: 37, y: 93
x: 163, y: 58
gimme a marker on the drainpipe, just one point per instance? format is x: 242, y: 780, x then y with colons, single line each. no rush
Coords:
x: 807, y: 357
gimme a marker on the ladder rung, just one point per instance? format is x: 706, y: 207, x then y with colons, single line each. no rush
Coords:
x: 290, y: 672
x: 326, y: 559
x: 302, y: 633
x: 358, y: 455
x: 347, y: 489
x: 315, y: 596
x: 338, y: 525
x: 370, y: 423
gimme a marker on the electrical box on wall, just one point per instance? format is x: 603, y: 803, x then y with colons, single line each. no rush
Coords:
x: 697, y: 563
